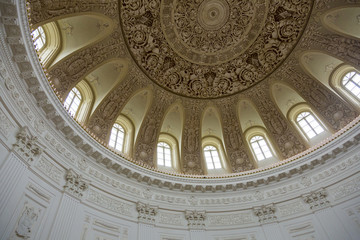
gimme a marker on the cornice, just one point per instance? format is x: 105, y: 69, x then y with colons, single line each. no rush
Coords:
x: 62, y: 127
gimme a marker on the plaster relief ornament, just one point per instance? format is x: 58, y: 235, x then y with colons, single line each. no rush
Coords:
x: 27, y: 145
x: 26, y: 221
x: 211, y: 48
x: 75, y: 184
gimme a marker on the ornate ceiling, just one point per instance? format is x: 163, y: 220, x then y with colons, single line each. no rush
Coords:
x: 178, y: 61
x: 211, y: 48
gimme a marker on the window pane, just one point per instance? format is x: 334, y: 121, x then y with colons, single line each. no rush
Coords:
x: 73, y: 101
x: 117, y: 137
x: 260, y: 148
x: 163, y: 154
x: 212, y: 157
x: 309, y: 124
x: 351, y: 82
x: 39, y: 38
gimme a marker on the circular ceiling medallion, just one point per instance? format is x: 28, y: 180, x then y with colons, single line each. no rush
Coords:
x: 213, y: 14
x: 211, y: 48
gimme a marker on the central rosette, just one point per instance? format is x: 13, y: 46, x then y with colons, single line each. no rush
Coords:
x: 211, y: 48
x: 213, y: 14
x: 211, y: 29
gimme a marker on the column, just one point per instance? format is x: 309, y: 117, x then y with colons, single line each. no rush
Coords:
x: 268, y: 221
x: 69, y: 206
x: 146, y: 219
x: 323, y: 212
x: 196, y: 223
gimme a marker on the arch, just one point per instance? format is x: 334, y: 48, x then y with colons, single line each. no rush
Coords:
x: 87, y: 101
x: 261, y: 132
x: 90, y: 28
x: 212, y: 132
x: 73, y: 102
x: 336, y: 81
x: 343, y: 21
x: 319, y: 65
x: 51, y: 45
x: 211, y: 123
x: 293, y: 116
x: 106, y: 77
x: 128, y: 139
x: 137, y: 106
x: 285, y: 97
x: 217, y: 143
x: 248, y: 115
x: 173, y: 122
x: 117, y: 137
x: 39, y: 38
x: 174, y: 146
x: 83, y: 92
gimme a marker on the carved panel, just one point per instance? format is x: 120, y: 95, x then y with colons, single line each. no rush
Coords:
x: 284, y: 134
x: 43, y: 10
x: 68, y: 72
x: 150, y: 128
x: 315, y: 37
x: 326, y: 102
x: 235, y: 148
x: 191, y: 138
x: 108, y: 110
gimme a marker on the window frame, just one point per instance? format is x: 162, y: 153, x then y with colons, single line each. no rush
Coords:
x: 41, y: 35
x: 81, y: 99
x: 313, y: 128
x: 164, y: 160
x: 116, y: 137
x: 212, y: 158
x: 263, y: 152
x: 335, y: 82
x: 350, y: 80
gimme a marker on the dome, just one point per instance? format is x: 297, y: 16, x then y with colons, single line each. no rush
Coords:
x: 192, y: 73
x: 202, y: 119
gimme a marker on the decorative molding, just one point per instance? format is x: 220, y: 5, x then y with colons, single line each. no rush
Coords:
x: 49, y: 169
x: 347, y: 189
x: 35, y: 189
x: 266, y: 214
x: 170, y: 219
x: 5, y: 124
x: 28, y: 217
x: 317, y: 200
x: 196, y: 219
x: 75, y: 184
x: 114, y: 205
x: 290, y: 208
x: 27, y: 146
x: 240, y: 218
x: 146, y: 212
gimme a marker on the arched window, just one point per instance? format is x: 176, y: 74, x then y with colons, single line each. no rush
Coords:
x: 351, y: 81
x: 212, y: 157
x: 73, y: 101
x: 117, y: 137
x: 39, y: 38
x: 309, y: 124
x: 163, y: 154
x: 260, y: 148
